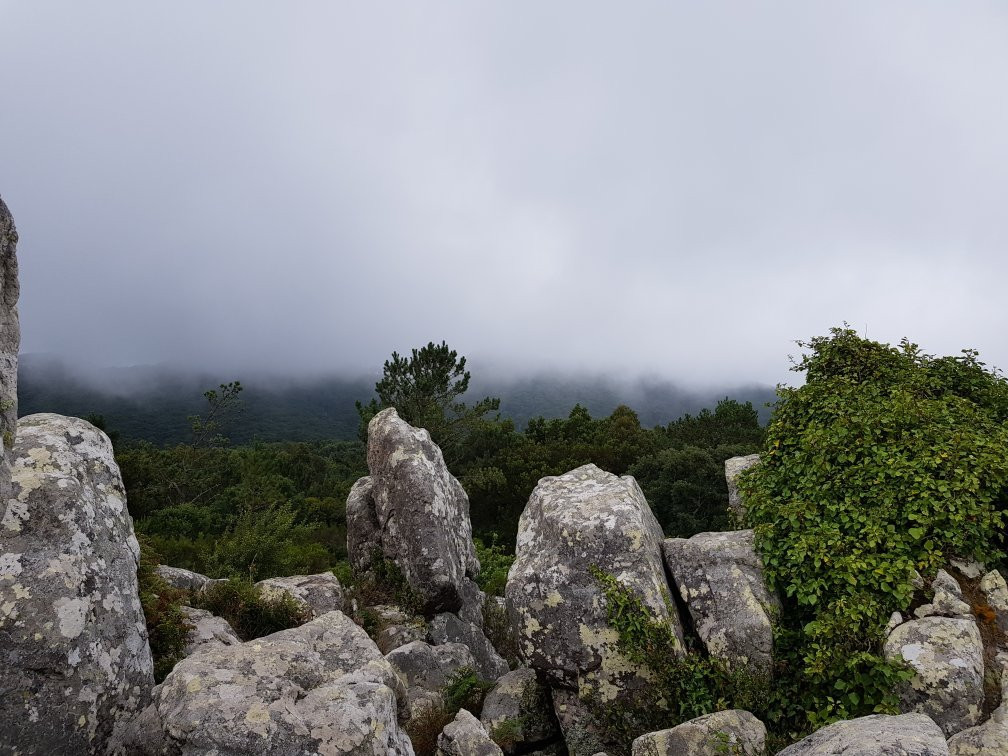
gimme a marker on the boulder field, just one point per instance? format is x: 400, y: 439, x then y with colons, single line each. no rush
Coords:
x: 76, y: 673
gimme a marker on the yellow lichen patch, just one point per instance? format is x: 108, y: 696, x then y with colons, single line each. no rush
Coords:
x: 194, y: 685
x: 554, y: 599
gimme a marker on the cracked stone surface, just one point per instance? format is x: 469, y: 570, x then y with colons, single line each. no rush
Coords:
x: 720, y: 578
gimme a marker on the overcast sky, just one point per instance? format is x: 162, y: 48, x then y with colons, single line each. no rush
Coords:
x: 680, y: 189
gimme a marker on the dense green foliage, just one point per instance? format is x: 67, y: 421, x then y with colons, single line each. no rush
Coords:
x: 681, y: 686
x: 249, y: 613
x: 167, y: 627
x: 885, y: 461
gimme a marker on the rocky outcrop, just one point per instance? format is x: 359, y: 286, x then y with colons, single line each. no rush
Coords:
x: 314, y: 594
x: 427, y: 669
x: 947, y: 599
x: 734, y: 731
x: 448, y: 628
x: 720, y: 577
x: 905, y: 735
x: 185, y: 580
x: 947, y: 656
x: 518, y: 714
x: 207, y: 631
x: 465, y: 736
x: 573, y: 525
x: 321, y: 688
x: 10, y: 342
x: 413, y: 512
x: 733, y: 468
x: 74, y: 658
x: 988, y: 739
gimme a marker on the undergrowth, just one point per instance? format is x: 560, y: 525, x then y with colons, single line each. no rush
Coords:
x: 247, y: 611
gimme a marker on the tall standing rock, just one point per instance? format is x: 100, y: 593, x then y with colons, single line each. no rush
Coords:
x: 573, y: 525
x: 10, y: 342
x: 732, y: 469
x: 414, y: 512
x: 74, y: 657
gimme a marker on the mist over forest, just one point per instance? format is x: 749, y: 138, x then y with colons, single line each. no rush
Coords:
x: 153, y: 402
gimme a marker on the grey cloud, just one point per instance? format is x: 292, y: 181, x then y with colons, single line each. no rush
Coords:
x: 675, y: 189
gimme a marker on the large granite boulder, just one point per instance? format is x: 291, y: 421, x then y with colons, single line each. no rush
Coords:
x: 946, y: 654
x: 733, y: 468
x: 207, y: 631
x: 74, y: 656
x: 574, y: 525
x: 321, y: 688
x: 413, y: 512
x: 720, y: 577
x: 449, y: 628
x: 518, y: 714
x: 10, y: 342
x: 314, y: 594
x: 734, y: 731
x: 465, y: 736
x: 875, y: 735
x: 987, y: 739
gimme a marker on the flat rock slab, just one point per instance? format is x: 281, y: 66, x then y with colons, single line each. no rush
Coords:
x: 734, y: 731
x: 876, y: 735
x: 314, y: 594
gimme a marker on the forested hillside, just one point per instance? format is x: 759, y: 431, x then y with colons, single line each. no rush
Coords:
x: 152, y: 402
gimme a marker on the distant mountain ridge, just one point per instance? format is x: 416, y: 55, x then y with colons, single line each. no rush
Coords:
x: 153, y: 402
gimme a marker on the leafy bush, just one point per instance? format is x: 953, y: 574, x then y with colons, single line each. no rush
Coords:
x: 264, y: 543
x: 500, y: 632
x: 494, y: 566
x: 682, y: 685
x: 167, y: 628
x: 885, y: 461
x: 247, y: 611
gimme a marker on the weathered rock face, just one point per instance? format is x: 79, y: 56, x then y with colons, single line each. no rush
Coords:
x: 10, y: 342
x: 988, y: 739
x: 363, y: 532
x: 74, y: 659
x: 465, y: 736
x: 315, y: 594
x: 947, y: 656
x: 720, y: 577
x: 732, y: 469
x: 414, y: 512
x: 448, y: 628
x: 518, y: 714
x: 322, y: 688
x: 184, y: 580
x: 573, y: 523
x: 905, y: 735
x: 734, y: 731
x: 427, y: 669
x: 208, y: 631
x: 995, y: 591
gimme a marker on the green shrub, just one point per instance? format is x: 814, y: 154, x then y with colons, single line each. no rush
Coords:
x: 682, y: 685
x: 500, y: 632
x: 384, y: 583
x: 247, y: 611
x: 885, y: 461
x: 264, y: 543
x: 494, y: 566
x: 463, y: 690
x: 167, y: 628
